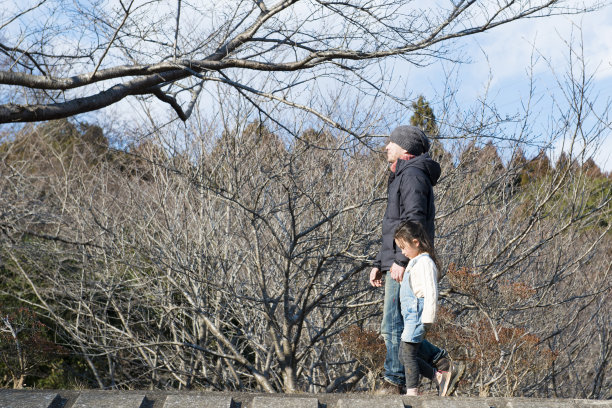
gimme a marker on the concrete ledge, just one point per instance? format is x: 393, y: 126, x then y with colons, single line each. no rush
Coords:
x: 275, y: 402
x: 197, y: 401
x: 462, y: 403
x: 20, y: 399
x: 107, y: 399
x: 542, y: 404
x: 377, y: 402
x: 193, y: 399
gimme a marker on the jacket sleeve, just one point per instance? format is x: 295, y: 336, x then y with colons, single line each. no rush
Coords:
x: 415, y: 199
x: 414, y: 203
x: 377, y: 262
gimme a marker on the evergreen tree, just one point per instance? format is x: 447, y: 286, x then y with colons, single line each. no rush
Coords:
x: 591, y: 168
x: 563, y: 162
x: 424, y: 117
x: 519, y: 164
x: 539, y: 166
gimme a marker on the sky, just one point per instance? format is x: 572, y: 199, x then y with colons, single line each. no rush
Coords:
x: 502, y: 57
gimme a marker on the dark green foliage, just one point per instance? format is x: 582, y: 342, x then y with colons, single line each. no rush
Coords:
x: 424, y: 117
x: 25, y: 347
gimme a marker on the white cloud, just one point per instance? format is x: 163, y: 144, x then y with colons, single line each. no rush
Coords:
x: 509, y: 48
x: 501, y: 58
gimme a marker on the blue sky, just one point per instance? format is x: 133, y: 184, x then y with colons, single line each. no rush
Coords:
x: 501, y: 60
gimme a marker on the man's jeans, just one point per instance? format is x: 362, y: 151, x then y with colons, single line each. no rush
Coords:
x: 391, y: 329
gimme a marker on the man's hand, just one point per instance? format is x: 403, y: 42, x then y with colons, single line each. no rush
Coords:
x: 397, y: 272
x: 376, y: 277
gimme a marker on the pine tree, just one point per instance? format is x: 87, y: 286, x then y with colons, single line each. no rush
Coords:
x: 591, y: 168
x: 424, y: 117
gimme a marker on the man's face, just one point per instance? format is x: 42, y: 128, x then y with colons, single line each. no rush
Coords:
x: 394, y: 151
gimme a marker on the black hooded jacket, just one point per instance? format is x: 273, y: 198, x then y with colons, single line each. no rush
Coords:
x: 410, y: 197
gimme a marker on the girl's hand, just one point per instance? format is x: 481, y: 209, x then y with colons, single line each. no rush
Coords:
x: 397, y: 272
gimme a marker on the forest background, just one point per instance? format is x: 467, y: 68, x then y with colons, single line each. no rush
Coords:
x: 230, y: 249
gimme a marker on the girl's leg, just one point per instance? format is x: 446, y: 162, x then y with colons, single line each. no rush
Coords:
x: 426, y: 370
x: 414, y: 366
x: 440, y: 378
x: 408, y: 357
x: 434, y: 356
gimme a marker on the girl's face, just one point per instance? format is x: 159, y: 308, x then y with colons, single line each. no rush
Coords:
x: 410, y: 249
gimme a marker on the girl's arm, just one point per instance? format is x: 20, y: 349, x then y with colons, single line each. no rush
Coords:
x: 425, y: 272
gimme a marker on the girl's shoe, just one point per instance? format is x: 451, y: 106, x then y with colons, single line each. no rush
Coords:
x: 412, y: 392
x: 443, y: 380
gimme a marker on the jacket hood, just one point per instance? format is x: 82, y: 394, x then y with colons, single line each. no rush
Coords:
x: 424, y: 163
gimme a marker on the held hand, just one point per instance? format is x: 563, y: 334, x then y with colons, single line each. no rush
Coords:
x: 376, y: 277
x: 397, y: 272
x: 427, y: 327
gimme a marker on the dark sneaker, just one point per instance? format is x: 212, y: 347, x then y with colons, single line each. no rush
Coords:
x: 388, y: 388
x: 443, y: 364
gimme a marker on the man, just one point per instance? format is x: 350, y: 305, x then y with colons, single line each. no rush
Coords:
x: 413, y: 173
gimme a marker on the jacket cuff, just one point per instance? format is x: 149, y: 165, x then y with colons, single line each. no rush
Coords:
x: 401, y: 263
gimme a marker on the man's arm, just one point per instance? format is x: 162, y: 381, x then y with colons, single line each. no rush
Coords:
x: 376, y: 273
x: 414, y: 195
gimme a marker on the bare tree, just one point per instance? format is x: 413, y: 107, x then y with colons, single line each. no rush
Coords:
x: 525, y: 245
x: 236, y: 267
x: 230, y: 254
x: 63, y: 58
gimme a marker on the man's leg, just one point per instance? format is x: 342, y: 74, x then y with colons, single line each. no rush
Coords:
x: 391, y: 329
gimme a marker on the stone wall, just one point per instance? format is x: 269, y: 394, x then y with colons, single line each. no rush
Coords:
x: 158, y: 399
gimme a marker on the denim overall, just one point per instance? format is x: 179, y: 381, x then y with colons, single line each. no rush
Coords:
x: 412, y: 309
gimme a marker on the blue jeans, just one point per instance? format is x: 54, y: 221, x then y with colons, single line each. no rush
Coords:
x: 391, y: 329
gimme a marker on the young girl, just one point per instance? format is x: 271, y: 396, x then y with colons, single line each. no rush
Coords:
x: 418, y: 301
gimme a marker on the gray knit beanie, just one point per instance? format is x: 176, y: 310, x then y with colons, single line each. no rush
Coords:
x: 410, y: 138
